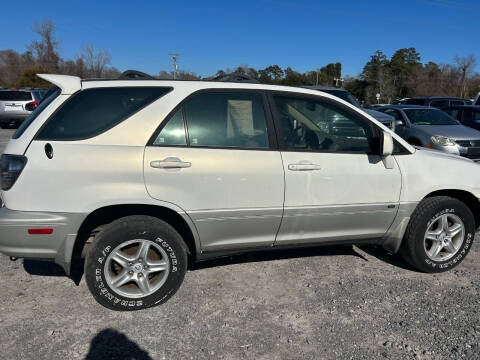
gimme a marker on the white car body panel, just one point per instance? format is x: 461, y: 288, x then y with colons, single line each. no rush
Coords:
x: 223, y: 190
x: 349, y: 196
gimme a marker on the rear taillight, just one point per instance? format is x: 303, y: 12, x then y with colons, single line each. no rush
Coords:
x: 34, y: 103
x: 11, y: 167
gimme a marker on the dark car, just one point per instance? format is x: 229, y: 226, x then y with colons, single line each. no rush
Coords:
x: 433, y: 101
x: 345, y: 95
x: 468, y: 115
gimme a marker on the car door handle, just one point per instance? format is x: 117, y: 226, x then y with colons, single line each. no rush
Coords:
x: 303, y: 167
x: 170, y: 163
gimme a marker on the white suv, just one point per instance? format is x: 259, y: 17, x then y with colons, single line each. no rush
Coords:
x: 141, y: 176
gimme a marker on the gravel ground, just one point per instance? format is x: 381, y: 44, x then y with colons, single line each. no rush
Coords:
x: 330, y: 302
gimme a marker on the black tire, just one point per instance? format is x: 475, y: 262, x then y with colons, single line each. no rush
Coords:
x: 126, y: 229
x: 429, y: 209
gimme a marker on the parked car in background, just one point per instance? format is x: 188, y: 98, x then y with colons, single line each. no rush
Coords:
x: 433, y: 101
x: 345, y: 95
x: 476, y: 101
x: 17, y: 104
x: 432, y: 128
x: 468, y: 115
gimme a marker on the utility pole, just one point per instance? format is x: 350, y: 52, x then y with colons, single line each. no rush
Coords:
x: 175, y: 65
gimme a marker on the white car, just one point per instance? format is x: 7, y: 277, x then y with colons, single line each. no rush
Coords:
x: 142, y: 176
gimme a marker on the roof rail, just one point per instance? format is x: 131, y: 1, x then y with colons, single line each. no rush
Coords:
x: 235, y: 77
x: 135, y: 75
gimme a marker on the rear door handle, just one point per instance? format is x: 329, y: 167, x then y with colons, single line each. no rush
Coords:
x: 303, y: 167
x: 170, y: 163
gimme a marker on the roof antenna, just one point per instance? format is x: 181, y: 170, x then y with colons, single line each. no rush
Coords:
x: 175, y: 65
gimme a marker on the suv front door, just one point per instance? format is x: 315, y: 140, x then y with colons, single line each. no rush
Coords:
x: 215, y: 157
x: 337, y: 187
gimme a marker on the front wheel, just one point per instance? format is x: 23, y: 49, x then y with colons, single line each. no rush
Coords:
x: 440, y: 234
x: 135, y: 262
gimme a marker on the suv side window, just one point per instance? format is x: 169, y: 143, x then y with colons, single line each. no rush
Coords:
x: 394, y: 113
x: 227, y: 120
x: 316, y: 125
x: 439, y: 103
x: 173, y: 133
x: 93, y: 111
x: 454, y: 113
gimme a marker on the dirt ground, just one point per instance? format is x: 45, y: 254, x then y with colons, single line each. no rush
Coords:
x: 323, y: 303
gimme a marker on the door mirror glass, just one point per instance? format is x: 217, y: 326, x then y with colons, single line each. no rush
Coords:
x: 387, y: 144
x: 399, y: 123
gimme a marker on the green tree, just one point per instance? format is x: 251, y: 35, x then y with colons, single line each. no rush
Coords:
x: 29, y: 78
x: 272, y: 74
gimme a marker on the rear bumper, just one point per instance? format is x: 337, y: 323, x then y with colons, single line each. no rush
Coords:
x: 6, y: 117
x: 58, y: 246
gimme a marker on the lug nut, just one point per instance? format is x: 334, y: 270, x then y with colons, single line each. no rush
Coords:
x: 130, y: 272
x: 140, y: 275
x: 130, y: 264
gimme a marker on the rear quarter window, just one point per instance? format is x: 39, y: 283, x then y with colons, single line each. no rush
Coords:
x: 93, y: 111
x: 15, y: 96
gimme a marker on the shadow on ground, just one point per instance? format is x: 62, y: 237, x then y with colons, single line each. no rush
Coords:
x: 113, y: 345
x: 44, y: 268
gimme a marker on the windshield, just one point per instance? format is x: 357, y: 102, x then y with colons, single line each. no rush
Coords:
x: 429, y: 117
x: 46, y: 100
x: 344, y: 95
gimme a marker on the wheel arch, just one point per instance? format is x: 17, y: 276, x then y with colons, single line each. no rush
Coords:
x: 464, y: 196
x: 105, y: 215
x: 394, y: 238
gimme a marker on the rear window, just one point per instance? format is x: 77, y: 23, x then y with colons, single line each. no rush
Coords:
x: 15, y: 96
x: 93, y: 111
x: 49, y: 97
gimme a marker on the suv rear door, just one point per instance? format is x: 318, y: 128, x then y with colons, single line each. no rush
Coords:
x: 336, y: 185
x: 214, y: 156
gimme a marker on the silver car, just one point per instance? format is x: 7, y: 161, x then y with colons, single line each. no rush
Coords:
x: 433, y: 128
x: 17, y: 104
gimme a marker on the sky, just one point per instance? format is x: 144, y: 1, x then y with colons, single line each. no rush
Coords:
x: 212, y: 35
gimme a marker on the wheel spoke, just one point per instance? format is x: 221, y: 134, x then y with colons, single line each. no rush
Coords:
x: 120, y: 258
x: 454, y: 229
x: 143, y: 250
x: 450, y: 247
x: 143, y: 284
x: 156, y: 266
x: 121, y: 279
x: 444, y: 221
x: 432, y: 235
x: 435, y: 250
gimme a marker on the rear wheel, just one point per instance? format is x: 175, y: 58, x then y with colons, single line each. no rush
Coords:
x: 135, y: 262
x: 440, y: 234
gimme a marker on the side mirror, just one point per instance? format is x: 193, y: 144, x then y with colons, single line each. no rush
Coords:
x: 386, y: 151
x: 399, y: 123
x: 387, y: 144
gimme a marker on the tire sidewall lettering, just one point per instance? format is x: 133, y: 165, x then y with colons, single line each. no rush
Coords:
x: 104, y: 290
